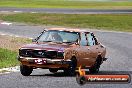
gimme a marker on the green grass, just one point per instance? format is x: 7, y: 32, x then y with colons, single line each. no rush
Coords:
x: 116, y: 22
x: 20, y: 40
x: 8, y: 53
x: 65, y: 4
x: 7, y: 58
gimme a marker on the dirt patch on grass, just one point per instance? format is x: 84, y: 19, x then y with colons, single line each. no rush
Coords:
x: 12, y: 43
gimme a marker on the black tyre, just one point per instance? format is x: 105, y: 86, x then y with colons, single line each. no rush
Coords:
x: 71, y: 70
x: 94, y: 69
x: 25, y: 70
x: 81, y: 80
x: 96, y: 66
x: 53, y: 70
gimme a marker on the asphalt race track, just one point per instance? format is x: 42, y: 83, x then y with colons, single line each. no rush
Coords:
x: 66, y: 11
x: 119, y: 53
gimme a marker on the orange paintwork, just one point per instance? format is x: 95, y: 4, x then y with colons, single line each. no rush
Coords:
x: 85, y: 55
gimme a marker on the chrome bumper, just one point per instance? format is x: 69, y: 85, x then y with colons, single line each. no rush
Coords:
x: 48, y: 61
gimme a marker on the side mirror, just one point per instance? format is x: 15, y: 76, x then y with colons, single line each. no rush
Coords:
x: 99, y: 43
x: 76, y: 43
x: 34, y: 40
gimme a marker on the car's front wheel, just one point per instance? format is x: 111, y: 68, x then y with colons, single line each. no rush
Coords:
x: 71, y: 70
x: 94, y: 69
x: 25, y: 70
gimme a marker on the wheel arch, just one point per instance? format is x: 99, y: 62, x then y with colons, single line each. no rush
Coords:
x: 99, y: 59
x: 99, y: 56
x: 73, y: 58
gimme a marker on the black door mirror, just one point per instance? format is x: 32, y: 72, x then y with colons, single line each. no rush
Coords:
x: 34, y: 40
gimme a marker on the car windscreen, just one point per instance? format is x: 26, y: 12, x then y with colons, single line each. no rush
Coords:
x: 59, y: 36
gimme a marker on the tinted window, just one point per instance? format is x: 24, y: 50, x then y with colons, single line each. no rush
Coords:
x: 59, y: 36
x: 91, y: 40
x: 83, y: 41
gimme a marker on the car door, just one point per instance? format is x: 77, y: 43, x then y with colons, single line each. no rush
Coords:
x: 84, y: 51
x: 95, y: 48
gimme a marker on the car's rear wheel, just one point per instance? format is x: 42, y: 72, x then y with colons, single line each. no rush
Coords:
x: 53, y: 70
x: 96, y: 66
x: 25, y: 70
x: 71, y: 70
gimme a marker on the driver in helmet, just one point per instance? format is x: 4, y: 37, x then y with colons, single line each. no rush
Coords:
x: 55, y: 36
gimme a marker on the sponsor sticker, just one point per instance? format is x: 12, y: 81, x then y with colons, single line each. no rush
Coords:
x: 82, y: 78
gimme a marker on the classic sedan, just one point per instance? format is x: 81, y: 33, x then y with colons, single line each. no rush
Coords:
x: 62, y: 49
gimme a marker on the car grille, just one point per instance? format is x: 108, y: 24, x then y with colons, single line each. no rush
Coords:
x: 38, y: 53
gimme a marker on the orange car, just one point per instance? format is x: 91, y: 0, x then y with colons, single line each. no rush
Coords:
x: 62, y: 49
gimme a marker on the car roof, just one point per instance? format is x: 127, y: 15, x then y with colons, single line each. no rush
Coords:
x: 68, y: 29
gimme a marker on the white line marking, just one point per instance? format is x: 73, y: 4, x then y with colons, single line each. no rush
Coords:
x: 33, y: 12
x: 17, y: 36
x: 4, y: 11
x: 30, y: 38
x: 17, y: 11
x: 6, y: 23
x: 2, y: 34
x: 9, y: 70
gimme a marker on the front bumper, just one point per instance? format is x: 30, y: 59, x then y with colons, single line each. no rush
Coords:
x: 44, y: 62
x: 104, y: 59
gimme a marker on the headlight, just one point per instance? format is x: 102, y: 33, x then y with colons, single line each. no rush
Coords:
x: 21, y: 52
x: 25, y: 52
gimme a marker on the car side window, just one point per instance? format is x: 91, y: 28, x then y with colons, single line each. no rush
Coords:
x: 83, y: 41
x: 91, y: 39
